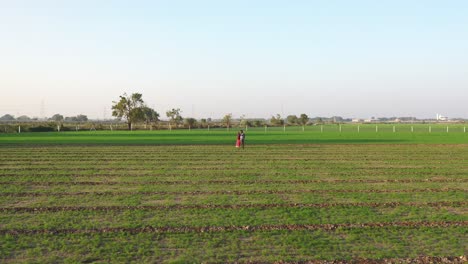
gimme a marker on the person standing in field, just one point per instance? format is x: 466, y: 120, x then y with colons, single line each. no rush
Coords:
x: 242, y: 139
x: 238, y: 141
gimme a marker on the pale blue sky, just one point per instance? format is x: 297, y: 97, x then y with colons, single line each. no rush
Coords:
x: 258, y: 58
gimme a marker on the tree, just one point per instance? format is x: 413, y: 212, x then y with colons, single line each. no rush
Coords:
x: 23, y: 118
x: 203, y: 122
x: 258, y: 123
x: 227, y: 119
x: 7, y: 117
x: 57, y: 118
x: 78, y: 118
x: 303, y: 119
x: 277, y: 120
x: 174, y: 116
x: 81, y: 118
x: 150, y: 115
x: 190, y: 122
x: 243, y: 121
x: 292, y: 119
x: 129, y: 108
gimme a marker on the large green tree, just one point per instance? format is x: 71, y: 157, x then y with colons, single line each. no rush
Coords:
x: 150, y: 115
x: 190, y: 122
x: 57, y: 118
x: 227, y: 119
x: 7, y: 117
x: 277, y: 120
x: 129, y: 108
x: 174, y: 116
x: 292, y: 119
x: 303, y: 119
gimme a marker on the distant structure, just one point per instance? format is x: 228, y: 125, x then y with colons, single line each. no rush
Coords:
x: 441, y: 118
x: 371, y: 120
x: 42, y: 111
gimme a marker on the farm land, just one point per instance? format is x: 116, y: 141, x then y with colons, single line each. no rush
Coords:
x: 190, y: 196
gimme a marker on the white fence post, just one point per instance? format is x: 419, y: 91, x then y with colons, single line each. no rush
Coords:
x: 284, y: 128
x: 19, y: 129
x: 340, y: 128
x: 265, y: 128
x: 412, y: 129
x: 303, y: 128
x: 358, y: 128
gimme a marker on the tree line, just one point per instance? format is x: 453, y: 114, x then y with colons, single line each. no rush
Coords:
x: 55, y: 118
x: 132, y: 109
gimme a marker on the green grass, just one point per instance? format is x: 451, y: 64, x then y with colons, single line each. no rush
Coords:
x: 386, y: 184
x: 293, y: 135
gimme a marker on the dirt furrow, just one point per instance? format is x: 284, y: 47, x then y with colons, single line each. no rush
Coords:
x: 226, y: 206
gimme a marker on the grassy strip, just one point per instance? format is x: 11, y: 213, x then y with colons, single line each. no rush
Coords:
x: 237, y: 246
x: 230, y: 200
x: 225, y: 206
x: 234, y: 182
x: 211, y: 229
x: 227, y: 217
x: 194, y: 193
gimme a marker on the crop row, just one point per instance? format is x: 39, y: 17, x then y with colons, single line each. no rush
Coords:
x: 416, y: 260
x: 113, y: 193
x: 239, y: 167
x: 227, y: 206
x: 246, y: 182
x: 339, y: 166
x: 206, y: 229
x: 210, y: 156
x: 373, y: 174
x: 9, y: 158
x: 349, y: 245
x: 237, y: 156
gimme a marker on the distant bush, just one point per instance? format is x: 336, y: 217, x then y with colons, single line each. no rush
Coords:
x: 42, y: 129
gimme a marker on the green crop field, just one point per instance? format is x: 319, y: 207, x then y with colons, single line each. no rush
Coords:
x: 329, y: 134
x: 190, y: 196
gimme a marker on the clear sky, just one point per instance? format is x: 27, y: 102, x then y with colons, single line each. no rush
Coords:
x: 253, y: 57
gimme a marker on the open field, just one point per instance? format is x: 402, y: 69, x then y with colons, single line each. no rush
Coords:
x: 214, y: 203
x: 328, y: 134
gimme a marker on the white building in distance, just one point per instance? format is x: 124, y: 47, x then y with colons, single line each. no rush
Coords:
x: 441, y: 118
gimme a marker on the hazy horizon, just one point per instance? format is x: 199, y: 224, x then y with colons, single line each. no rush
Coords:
x: 255, y: 58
